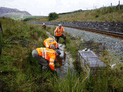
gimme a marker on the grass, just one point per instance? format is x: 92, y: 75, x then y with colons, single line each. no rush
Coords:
x: 103, y: 14
x: 91, y: 16
x: 100, y: 81
x: 22, y: 72
x: 1, y: 37
x: 108, y: 81
x: 16, y: 16
x: 19, y: 39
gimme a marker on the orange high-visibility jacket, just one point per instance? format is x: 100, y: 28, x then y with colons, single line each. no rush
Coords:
x: 59, y: 31
x: 44, y: 25
x: 47, y: 42
x: 48, y: 54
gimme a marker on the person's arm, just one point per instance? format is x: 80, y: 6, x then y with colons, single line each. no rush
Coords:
x: 51, y: 62
x: 64, y: 32
x: 55, y: 31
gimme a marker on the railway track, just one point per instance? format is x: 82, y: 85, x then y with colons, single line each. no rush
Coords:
x: 108, y: 33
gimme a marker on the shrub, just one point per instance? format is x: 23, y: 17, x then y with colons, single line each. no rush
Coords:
x: 27, y: 19
x: 96, y: 16
x: 52, y: 16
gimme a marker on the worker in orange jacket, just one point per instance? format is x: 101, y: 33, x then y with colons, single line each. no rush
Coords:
x: 45, y: 56
x: 44, y: 26
x: 47, y: 42
x: 59, y: 32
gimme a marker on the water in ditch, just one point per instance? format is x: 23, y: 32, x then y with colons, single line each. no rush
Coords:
x: 65, y: 60
x: 67, y: 65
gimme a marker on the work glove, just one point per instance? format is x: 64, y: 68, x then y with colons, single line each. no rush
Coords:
x: 55, y: 70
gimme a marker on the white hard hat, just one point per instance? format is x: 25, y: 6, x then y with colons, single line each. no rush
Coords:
x: 52, y: 46
x: 43, y: 23
x: 59, y: 24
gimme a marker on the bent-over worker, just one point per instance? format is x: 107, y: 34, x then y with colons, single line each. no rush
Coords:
x: 45, y: 56
x: 49, y: 41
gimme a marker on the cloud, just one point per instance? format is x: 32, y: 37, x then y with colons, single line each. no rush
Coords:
x: 44, y: 7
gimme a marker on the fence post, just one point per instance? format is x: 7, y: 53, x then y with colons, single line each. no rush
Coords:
x: 119, y: 4
x: 1, y: 37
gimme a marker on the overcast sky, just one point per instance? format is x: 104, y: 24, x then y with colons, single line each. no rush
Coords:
x: 44, y: 7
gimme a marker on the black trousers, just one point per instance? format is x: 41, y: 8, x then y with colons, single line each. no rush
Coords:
x: 57, y: 38
x: 41, y: 60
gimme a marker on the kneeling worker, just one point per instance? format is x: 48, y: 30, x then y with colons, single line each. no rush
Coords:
x: 46, y: 56
x: 47, y: 42
x: 59, y: 32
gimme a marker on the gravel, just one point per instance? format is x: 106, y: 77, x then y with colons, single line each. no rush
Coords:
x: 101, y: 26
x: 114, y: 45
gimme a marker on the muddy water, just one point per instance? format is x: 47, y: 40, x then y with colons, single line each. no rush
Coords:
x: 67, y: 64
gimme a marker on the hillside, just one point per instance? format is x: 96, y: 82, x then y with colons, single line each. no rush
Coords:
x: 103, y: 14
x: 16, y: 60
x: 13, y: 13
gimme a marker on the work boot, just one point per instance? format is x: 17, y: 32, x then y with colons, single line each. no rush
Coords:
x: 64, y: 42
x: 44, y: 67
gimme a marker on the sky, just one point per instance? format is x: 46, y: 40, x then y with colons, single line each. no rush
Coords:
x: 44, y: 7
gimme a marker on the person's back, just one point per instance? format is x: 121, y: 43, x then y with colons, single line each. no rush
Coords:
x: 47, y: 42
x: 45, y: 56
x: 48, y: 52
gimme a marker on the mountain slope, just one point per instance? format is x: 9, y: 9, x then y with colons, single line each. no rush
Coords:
x: 4, y: 11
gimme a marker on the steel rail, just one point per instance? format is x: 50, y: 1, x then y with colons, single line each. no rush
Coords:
x: 108, y: 33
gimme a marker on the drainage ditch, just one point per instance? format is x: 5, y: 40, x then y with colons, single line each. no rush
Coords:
x: 66, y: 60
